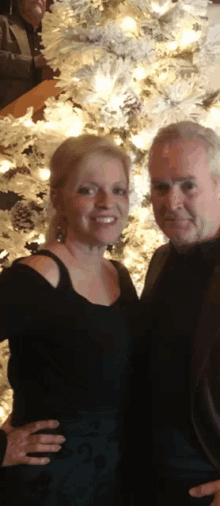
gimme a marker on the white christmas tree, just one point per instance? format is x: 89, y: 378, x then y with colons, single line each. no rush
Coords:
x: 127, y: 67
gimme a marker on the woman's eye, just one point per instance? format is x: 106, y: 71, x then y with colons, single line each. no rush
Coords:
x: 161, y: 187
x: 120, y: 191
x: 86, y: 191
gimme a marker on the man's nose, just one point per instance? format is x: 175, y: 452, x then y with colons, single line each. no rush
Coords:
x: 174, y: 199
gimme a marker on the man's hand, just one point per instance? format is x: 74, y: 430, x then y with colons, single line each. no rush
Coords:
x: 40, y: 61
x: 210, y: 488
x: 21, y: 440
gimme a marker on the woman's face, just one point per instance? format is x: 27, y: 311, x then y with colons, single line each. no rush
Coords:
x: 95, y: 200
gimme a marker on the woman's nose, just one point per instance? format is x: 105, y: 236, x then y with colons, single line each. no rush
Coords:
x: 105, y: 199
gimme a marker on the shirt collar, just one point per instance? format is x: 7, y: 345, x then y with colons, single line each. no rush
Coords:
x: 29, y: 27
x: 206, y: 250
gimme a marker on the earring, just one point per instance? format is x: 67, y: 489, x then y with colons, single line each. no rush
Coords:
x: 110, y: 247
x: 60, y: 235
x: 10, y: 13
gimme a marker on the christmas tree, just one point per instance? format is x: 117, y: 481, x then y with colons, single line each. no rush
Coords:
x: 127, y: 68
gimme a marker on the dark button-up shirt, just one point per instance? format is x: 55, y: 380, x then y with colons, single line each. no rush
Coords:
x: 171, y: 321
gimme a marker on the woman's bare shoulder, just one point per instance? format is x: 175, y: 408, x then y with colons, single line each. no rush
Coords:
x: 46, y: 266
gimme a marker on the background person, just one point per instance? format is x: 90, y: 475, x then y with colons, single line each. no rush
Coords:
x: 22, y: 65
x: 68, y: 315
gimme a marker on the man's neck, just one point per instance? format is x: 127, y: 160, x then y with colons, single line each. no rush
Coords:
x: 184, y: 249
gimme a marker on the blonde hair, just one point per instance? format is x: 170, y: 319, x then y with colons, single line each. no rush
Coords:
x: 193, y: 131
x: 70, y: 154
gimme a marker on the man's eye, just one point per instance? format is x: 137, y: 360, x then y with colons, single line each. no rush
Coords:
x: 189, y: 186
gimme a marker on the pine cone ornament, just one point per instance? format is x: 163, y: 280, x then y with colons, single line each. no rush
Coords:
x: 25, y: 216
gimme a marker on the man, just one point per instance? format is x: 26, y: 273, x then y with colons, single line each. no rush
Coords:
x: 22, y: 66
x: 181, y: 302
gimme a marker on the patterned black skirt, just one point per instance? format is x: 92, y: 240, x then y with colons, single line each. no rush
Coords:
x: 82, y: 473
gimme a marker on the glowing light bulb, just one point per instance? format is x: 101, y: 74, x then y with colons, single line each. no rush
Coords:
x: 41, y: 239
x: 44, y: 174
x: 28, y: 122
x: 138, y: 141
x: 118, y: 140
x: 163, y: 76
x: 160, y: 9
x: 127, y: 262
x: 5, y: 165
x: 189, y: 37
x: 49, y: 124
x: 172, y: 45
x: 76, y: 128
x: 129, y: 24
x: 103, y: 84
x: 116, y: 102
x: 140, y: 73
x: 2, y: 255
x: 215, y: 113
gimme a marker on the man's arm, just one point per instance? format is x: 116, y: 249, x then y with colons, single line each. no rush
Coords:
x: 14, y: 65
x: 206, y: 489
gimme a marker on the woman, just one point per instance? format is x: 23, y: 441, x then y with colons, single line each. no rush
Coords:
x: 68, y: 317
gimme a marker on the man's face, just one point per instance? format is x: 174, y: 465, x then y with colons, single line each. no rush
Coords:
x: 184, y: 193
x: 32, y: 10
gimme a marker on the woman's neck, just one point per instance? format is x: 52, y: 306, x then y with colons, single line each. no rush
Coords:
x: 87, y: 258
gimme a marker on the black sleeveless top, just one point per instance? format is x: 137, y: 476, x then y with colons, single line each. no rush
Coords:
x: 67, y: 354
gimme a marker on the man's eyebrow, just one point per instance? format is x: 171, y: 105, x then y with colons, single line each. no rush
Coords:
x: 186, y: 178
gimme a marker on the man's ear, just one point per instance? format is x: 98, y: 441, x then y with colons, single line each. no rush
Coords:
x: 53, y: 197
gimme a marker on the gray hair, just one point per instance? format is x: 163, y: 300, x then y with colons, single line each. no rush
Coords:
x: 193, y: 131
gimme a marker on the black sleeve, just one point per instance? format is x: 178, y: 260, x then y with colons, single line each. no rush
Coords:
x: 3, y: 445
x: 13, y: 65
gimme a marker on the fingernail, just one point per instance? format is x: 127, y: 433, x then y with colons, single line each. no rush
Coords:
x: 192, y: 492
x: 56, y: 423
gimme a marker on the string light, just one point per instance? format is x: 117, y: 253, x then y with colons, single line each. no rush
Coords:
x: 163, y: 76
x: 115, y: 102
x: 161, y: 9
x: 28, y: 123
x: 189, y: 36
x: 140, y: 73
x: 44, y: 174
x: 138, y: 141
x: 103, y: 84
x: 76, y: 128
x: 118, y: 140
x: 172, y: 45
x: 50, y: 125
x: 214, y: 113
x: 5, y: 165
x: 41, y: 239
x: 129, y: 24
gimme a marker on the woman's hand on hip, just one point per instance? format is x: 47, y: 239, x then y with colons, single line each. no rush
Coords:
x: 22, y: 440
